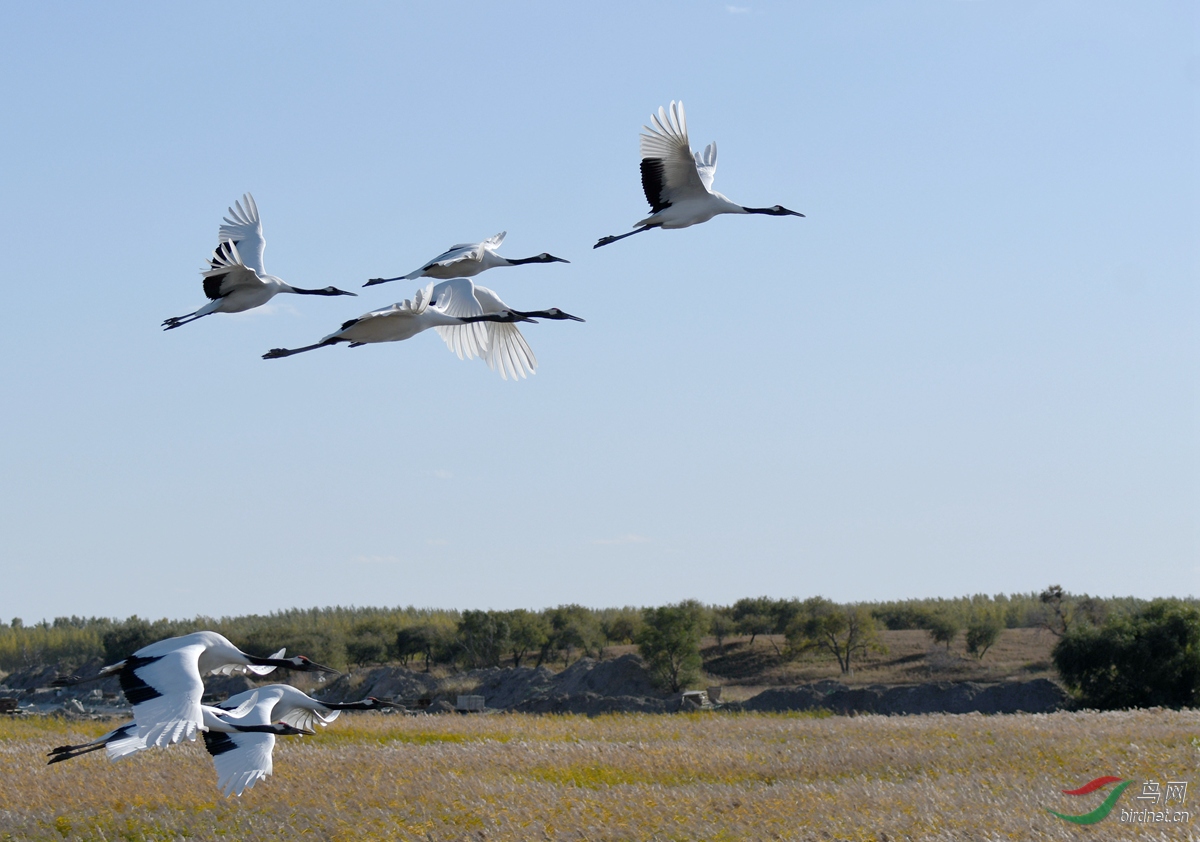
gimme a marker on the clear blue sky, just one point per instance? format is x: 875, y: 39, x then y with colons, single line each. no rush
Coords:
x: 971, y: 368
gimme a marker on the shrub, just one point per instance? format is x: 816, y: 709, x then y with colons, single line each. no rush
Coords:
x: 1148, y: 658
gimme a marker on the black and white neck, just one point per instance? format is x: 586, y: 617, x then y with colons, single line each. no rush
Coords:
x: 540, y: 258
x: 774, y: 210
x: 322, y: 291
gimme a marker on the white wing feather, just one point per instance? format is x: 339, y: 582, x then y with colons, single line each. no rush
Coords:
x: 245, y: 765
x: 247, y: 669
x: 507, y: 350
x: 457, y: 298
x: 123, y: 742
x: 667, y: 141
x: 306, y: 718
x: 226, y: 264
x: 245, y: 230
x: 175, y: 714
x: 706, y: 165
x: 456, y: 254
x: 493, y: 243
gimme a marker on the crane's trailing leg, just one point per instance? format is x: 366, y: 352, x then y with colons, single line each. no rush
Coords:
x: 180, y: 321
x: 276, y: 353
x: 603, y: 241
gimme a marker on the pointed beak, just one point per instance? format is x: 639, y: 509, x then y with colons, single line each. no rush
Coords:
x: 343, y: 292
x: 561, y: 260
x: 572, y: 318
x: 374, y: 281
x: 318, y: 668
x: 794, y: 213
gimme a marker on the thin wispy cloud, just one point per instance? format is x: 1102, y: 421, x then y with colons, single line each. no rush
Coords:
x: 623, y: 539
x: 442, y: 473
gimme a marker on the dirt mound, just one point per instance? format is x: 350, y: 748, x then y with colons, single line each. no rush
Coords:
x: 505, y: 688
x: 32, y: 679
x: 624, y: 676
x: 382, y: 683
x: 1038, y: 696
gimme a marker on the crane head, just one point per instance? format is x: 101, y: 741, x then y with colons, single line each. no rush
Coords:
x: 303, y: 664
x: 555, y: 313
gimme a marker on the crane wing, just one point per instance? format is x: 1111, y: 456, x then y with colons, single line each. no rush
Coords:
x: 306, y: 718
x: 244, y: 230
x: 123, y: 742
x: 493, y: 243
x: 242, y: 759
x: 247, y: 669
x: 506, y: 349
x: 706, y: 165
x: 669, y: 172
x: 457, y: 298
x: 454, y: 254
x: 227, y: 272
x: 165, y: 692
x: 508, y: 352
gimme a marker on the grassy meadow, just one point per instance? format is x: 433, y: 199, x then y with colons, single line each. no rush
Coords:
x: 629, y: 776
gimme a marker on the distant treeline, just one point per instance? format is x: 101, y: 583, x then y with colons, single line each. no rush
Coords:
x: 342, y: 637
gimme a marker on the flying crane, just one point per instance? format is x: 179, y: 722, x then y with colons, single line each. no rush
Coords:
x: 678, y: 182
x: 235, y: 279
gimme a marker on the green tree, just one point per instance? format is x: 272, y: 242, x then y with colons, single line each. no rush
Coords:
x: 482, y: 637
x: 527, y: 632
x: 371, y: 641
x: 722, y: 626
x: 669, y: 642
x: 620, y: 625
x: 982, y: 632
x: 428, y: 640
x: 752, y: 616
x: 846, y: 632
x: 572, y: 627
x: 943, y: 626
x: 1148, y: 658
x: 1057, y: 612
x: 126, y: 638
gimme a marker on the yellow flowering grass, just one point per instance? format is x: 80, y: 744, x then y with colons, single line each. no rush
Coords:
x: 628, y: 776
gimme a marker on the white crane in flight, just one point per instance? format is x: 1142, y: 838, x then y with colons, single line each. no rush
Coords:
x: 235, y: 279
x: 163, y: 681
x: 466, y: 260
x: 678, y: 182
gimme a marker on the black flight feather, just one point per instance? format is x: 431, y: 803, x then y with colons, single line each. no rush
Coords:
x: 653, y: 182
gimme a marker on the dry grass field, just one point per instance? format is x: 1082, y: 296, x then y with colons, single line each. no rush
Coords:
x: 623, y: 777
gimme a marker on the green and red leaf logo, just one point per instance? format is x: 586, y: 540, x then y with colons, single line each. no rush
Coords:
x: 1105, y: 806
